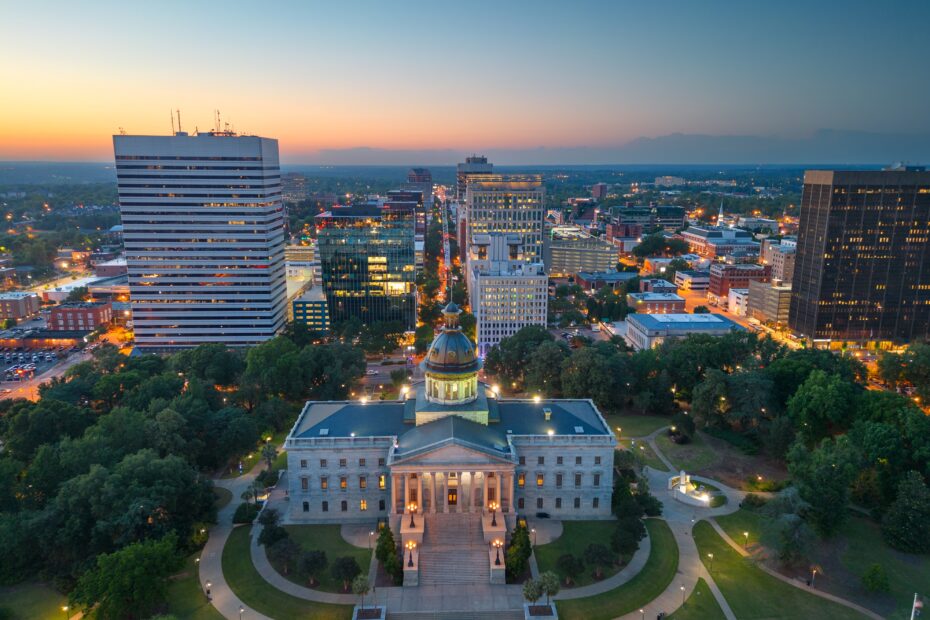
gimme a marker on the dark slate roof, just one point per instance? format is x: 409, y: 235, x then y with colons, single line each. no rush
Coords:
x: 453, y: 429
x: 377, y: 419
x: 528, y: 418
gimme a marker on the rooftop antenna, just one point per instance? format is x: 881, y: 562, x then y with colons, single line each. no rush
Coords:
x: 172, y: 121
x: 179, y: 121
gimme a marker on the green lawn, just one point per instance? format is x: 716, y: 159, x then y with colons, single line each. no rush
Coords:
x: 742, y: 521
x: 649, y: 583
x: 691, y: 457
x: 701, y: 605
x: 33, y: 601
x: 186, y: 599
x: 329, y: 539
x: 280, y: 461
x: 254, y: 456
x: 645, y: 452
x: 260, y: 595
x: 906, y: 573
x: 753, y: 593
x: 575, y: 538
x: 223, y: 497
x: 634, y: 425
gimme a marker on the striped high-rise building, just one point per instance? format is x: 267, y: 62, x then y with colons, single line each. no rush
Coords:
x: 507, y: 203
x: 204, y: 230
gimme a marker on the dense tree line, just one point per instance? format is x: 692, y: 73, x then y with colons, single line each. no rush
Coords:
x: 119, y: 451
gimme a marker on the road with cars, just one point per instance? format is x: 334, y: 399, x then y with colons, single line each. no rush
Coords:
x: 27, y: 385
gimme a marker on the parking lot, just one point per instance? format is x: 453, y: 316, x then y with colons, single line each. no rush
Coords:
x: 21, y: 376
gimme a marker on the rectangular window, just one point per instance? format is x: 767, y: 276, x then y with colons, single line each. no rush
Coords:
x: 343, y: 483
x: 558, y: 460
x: 522, y: 460
x: 303, y: 463
x: 539, y: 480
x: 521, y: 479
x: 345, y: 506
x: 558, y: 502
x: 541, y: 460
x: 577, y: 502
x: 382, y: 480
x: 362, y: 482
x: 577, y: 460
x: 558, y: 481
x: 597, y: 460
x: 363, y: 504
x: 597, y: 480
x: 325, y: 506
x: 304, y: 484
x: 596, y: 502
x: 324, y: 483
x: 381, y: 462
x: 361, y: 462
x: 381, y: 505
x: 306, y: 506
x: 539, y: 502
x: 520, y: 503
x: 577, y: 480
x: 342, y: 462
x: 322, y: 462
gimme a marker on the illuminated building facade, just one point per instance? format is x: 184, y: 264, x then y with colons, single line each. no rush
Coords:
x: 203, y: 225
x: 507, y: 203
x: 366, y: 253
x: 862, y: 272
x: 474, y: 164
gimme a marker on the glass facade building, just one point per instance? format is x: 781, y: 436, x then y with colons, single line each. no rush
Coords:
x: 366, y: 255
x: 862, y: 272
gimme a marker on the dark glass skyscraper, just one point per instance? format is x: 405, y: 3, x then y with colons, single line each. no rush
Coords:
x: 367, y: 258
x: 862, y: 273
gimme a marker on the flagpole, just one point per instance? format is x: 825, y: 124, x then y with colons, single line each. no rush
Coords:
x: 914, y: 606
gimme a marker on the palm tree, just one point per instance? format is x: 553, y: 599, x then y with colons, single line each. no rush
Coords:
x: 269, y: 452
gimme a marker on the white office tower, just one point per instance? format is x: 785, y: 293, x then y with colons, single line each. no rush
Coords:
x: 203, y: 226
x: 507, y: 203
x: 507, y: 292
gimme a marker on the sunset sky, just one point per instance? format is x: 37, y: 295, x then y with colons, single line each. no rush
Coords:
x: 462, y: 75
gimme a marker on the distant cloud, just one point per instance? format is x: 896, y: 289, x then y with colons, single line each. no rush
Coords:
x: 826, y: 146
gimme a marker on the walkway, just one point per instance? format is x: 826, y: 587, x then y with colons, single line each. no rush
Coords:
x: 616, y: 580
x: 793, y: 582
x: 211, y: 558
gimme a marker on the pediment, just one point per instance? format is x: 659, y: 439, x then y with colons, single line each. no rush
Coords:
x: 453, y: 453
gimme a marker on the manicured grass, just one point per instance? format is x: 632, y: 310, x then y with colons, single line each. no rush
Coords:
x: 186, y: 598
x: 260, y: 595
x: 753, y: 593
x: 701, y: 605
x: 742, y: 521
x: 645, y: 452
x: 280, y: 461
x: 649, y: 583
x: 907, y: 573
x: 223, y: 497
x: 32, y: 601
x: 329, y: 539
x: 691, y: 457
x: 254, y: 456
x: 634, y: 425
x: 575, y: 538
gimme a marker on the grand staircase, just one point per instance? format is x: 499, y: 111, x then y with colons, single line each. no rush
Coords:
x: 456, y: 615
x: 453, y: 550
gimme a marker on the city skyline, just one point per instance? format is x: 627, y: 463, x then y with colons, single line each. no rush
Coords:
x: 524, y: 83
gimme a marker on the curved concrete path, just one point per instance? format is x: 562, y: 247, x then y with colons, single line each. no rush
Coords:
x: 614, y: 581
x: 793, y: 582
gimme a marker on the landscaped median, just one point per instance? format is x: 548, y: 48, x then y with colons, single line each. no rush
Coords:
x: 254, y: 591
x: 753, y: 593
x: 648, y: 584
x: 575, y: 538
x: 701, y: 605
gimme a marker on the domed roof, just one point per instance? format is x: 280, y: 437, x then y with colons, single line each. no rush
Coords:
x: 451, y: 352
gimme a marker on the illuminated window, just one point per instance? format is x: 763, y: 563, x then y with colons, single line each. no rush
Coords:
x: 521, y: 479
x: 363, y: 504
x: 343, y: 483
x: 539, y: 480
x: 324, y: 483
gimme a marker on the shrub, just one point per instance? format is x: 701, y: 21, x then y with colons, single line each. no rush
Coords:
x: 312, y: 563
x: 394, y: 567
x: 753, y: 502
x: 626, y: 536
x: 747, y: 444
x: 271, y: 534
x: 245, y: 513
x: 875, y: 579
x: 570, y: 566
x: 268, y: 478
x: 518, y: 553
x: 345, y: 569
x: 683, y: 425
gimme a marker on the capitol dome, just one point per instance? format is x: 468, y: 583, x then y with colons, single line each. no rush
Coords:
x: 451, y: 365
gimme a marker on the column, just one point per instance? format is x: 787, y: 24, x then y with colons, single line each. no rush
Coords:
x: 510, y: 485
x: 481, y: 493
x: 442, y: 493
x: 432, y: 492
x: 393, y: 509
x: 499, y: 487
x: 471, y: 492
x: 420, y: 492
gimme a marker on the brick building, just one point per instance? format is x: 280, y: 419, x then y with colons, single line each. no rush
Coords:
x: 724, y: 277
x: 79, y: 316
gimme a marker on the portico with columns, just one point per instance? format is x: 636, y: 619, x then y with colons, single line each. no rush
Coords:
x: 453, y: 489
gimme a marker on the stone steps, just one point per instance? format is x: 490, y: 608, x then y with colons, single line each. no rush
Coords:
x: 454, y: 551
x: 457, y: 615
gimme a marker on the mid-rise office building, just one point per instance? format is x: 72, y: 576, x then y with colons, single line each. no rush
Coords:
x: 656, y: 285
x: 645, y: 331
x: 568, y: 250
x: 18, y: 304
x: 692, y: 280
x: 475, y: 164
x: 421, y: 180
x: 738, y: 301
x: 723, y: 277
x: 769, y: 302
x: 204, y: 227
x: 711, y: 241
x: 507, y: 203
x: 80, y: 316
x: 594, y: 281
x: 862, y: 273
x: 367, y: 260
x: 599, y: 191
x: 782, y: 260
x: 507, y: 292
x: 416, y: 198
x: 310, y: 309
x: 656, y: 303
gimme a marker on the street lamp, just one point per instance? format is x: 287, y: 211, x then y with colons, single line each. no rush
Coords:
x: 65, y: 609
x: 682, y: 588
x: 412, y: 507
x: 498, y: 543
x: 370, y: 534
x: 241, y: 611
x: 643, y: 613
x: 813, y: 576
x: 746, y: 535
x: 410, y: 547
x: 493, y: 507
x: 208, y: 585
x: 711, y: 558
